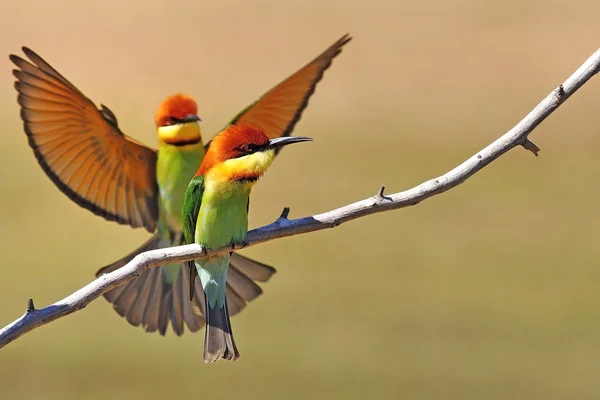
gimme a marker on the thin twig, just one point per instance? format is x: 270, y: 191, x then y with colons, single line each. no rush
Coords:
x: 282, y: 227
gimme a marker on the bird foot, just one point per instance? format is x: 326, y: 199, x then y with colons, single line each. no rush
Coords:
x: 239, y: 245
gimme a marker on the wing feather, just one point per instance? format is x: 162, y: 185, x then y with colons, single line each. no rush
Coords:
x: 278, y: 110
x: 82, y: 149
x: 189, y: 215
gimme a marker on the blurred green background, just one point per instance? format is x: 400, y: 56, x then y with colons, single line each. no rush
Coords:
x: 489, y: 291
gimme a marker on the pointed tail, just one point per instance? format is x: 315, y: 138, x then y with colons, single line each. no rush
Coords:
x: 162, y: 294
x: 218, y: 340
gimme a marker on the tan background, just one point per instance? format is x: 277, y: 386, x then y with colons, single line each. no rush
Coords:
x: 490, y: 291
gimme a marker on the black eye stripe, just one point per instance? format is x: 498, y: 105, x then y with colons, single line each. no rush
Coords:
x: 248, y: 148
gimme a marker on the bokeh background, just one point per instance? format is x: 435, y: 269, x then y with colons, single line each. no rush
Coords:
x: 489, y: 291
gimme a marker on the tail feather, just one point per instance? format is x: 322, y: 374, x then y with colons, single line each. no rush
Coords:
x: 157, y: 299
x: 200, y: 301
x: 236, y: 302
x: 163, y: 310
x: 135, y: 314
x: 112, y: 294
x: 190, y: 309
x: 241, y: 284
x: 153, y: 243
x: 127, y: 298
x: 241, y: 287
x: 152, y: 310
x: 254, y: 270
x: 218, y: 340
x: 177, y: 308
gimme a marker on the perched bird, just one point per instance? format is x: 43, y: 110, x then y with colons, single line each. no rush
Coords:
x: 215, y: 215
x: 83, y: 151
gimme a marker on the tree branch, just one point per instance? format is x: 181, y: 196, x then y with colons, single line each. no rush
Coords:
x: 282, y: 227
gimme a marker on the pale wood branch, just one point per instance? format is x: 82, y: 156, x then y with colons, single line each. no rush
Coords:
x: 282, y: 227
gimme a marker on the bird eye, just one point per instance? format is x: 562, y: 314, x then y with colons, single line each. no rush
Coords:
x: 248, y: 148
x: 173, y: 120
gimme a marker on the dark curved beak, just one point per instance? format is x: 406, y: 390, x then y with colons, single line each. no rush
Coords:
x: 284, y: 141
x: 191, y: 118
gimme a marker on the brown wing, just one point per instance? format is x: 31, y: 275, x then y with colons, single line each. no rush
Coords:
x: 278, y: 110
x: 81, y: 148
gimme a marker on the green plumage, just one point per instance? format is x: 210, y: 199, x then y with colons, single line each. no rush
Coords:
x: 189, y: 216
x: 162, y: 295
x: 214, y: 218
x: 215, y: 214
x: 175, y: 167
x: 105, y: 171
x: 191, y: 207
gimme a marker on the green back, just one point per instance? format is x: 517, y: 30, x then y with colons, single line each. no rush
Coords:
x: 175, y: 167
x: 191, y: 207
x: 189, y: 215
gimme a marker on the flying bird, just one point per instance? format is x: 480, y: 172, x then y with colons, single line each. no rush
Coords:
x: 215, y: 215
x: 84, y: 152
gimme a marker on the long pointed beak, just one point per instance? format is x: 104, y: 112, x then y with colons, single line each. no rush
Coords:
x: 284, y: 141
x: 191, y: 118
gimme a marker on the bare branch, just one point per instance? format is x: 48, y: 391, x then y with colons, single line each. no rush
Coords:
x: 283, y: 227
x: 285, y: 213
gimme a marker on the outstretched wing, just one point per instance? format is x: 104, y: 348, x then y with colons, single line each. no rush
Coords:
x: 82, y: 149
x: 278, y: 110
x: 189, y: 215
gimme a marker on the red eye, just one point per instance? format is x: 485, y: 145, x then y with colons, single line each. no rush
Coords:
x: 247, y: 148
x: 173, y: 121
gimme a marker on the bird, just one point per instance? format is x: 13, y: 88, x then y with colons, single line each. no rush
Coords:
x: 82, y: 149
x: 215, y: 215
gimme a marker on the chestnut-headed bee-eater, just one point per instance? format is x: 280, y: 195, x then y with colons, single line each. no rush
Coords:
x: 84, y: 152
x: 215, y: 215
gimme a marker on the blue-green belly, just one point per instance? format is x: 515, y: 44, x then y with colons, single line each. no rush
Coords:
x: 222, y: 221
